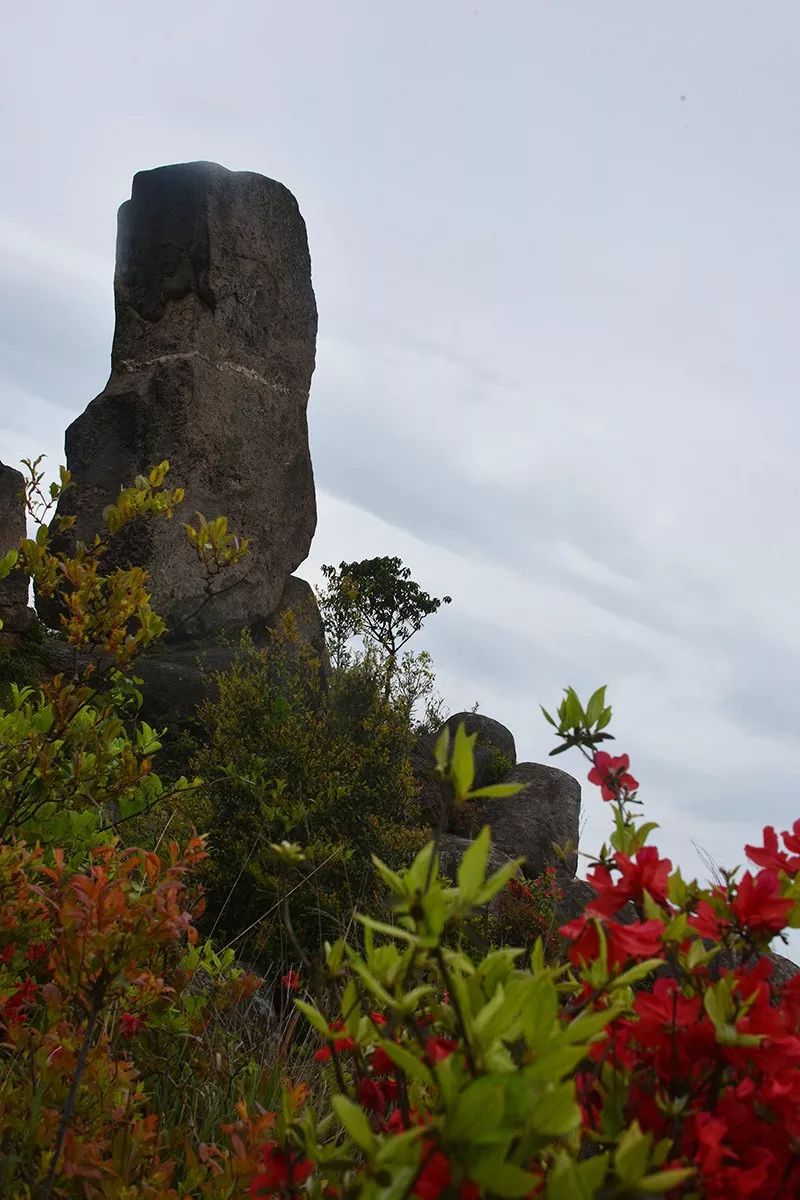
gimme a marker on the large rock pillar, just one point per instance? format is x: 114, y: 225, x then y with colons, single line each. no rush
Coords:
x: 211, y: 365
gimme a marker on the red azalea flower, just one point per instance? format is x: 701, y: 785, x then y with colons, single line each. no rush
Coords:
x: 648, y: 872
x: 435, y: 1177
x: 380, y: 1062
x: 377, y: 1018
x: 642, y: 939
x: 341, y: 1042
x: 792, y: 840
x: 708, y: 923
x: 611, y: 774
x: 35, y: 951
x: 291, y: 979
x: 282, y: 1172
x: 7, y: 953
x: 438, y: 1048
x: 16, y: 1006
x: 771, y: 856
x: 130, y: 1024
x: 371, y: 1096
x: 757, y: 905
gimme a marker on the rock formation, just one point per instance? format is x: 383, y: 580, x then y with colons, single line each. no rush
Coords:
x: 14, y: 611
x: 545, y: 812
x: 495, y: 750
x: 211, y: 365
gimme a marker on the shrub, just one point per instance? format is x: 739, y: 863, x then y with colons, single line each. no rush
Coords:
x: 292, y: 761
x: 455, y: 1074
x: 525, y: 911
x: 660, y: 1057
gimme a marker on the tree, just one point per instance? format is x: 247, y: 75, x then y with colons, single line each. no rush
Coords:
x: 377, y: 600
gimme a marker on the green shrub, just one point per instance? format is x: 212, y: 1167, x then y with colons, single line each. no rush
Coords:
x: 290, y: 758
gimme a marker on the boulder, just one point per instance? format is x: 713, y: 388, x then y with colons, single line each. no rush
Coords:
x: 211, y: 366
x: 495, y: 750
x: 14, y: 611
x: 495, y: 753
x: 545, y: 812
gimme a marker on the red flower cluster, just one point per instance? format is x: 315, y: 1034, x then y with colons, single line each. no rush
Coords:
x: 612, y: 775
x: 756, y: 909
x: 340, y: 1041
x: 770, y: 856
x: 130, y: 1024
x: 284, y: 1172
x: 436, y: 1177
x: 14, y: 1008
x: 647, y: 872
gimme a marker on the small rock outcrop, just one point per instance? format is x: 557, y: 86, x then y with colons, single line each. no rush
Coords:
x: 545, y: 812
x: 494, y: 753
x: 14, y: 611
x: 211, y: 365
x: 495, y: 748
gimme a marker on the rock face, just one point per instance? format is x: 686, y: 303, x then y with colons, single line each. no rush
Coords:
x: 14, y: 611
x: 452, y: 849
x: 177, y: 678
x: 546, y: 812
x: 211, y: 365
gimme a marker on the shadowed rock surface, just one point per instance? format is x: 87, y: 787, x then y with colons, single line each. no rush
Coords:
x: 545, y: 812
x: 14, y: 611
x: 211, y: 365
x: 178, y: 678
x: 453, y: 848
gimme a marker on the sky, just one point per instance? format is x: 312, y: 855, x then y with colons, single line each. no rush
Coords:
x: 555, y: 253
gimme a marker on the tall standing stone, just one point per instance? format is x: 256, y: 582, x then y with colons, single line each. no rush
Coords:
x: 211, y: 366
x: 14, y: 611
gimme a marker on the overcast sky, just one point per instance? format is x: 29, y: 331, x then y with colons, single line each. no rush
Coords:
x: 555, y: 251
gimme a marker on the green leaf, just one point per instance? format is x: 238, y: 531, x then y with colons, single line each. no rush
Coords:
x: 314, y: 1017
x: 547, y: 717
x: 478, y: 1108
x: 462, y: 764
x: 472, y: 868
x: 573, y: 710
x: 382, y: 927
x: 8, y: 562
x: 389, y: 877
x: 407, y: 1062
x: 632, y: 1155
x: 401, y: 1181
x: 442, y: 751
x: 576, y: 1180
x: 595, y: 707
x: 665, y: 1181
x: 503, y: 1179
x: 634, y: 974
x: 494, y: 791
x: 354, y: 1121
x: 495, y: 883
x: 556, y: 1113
